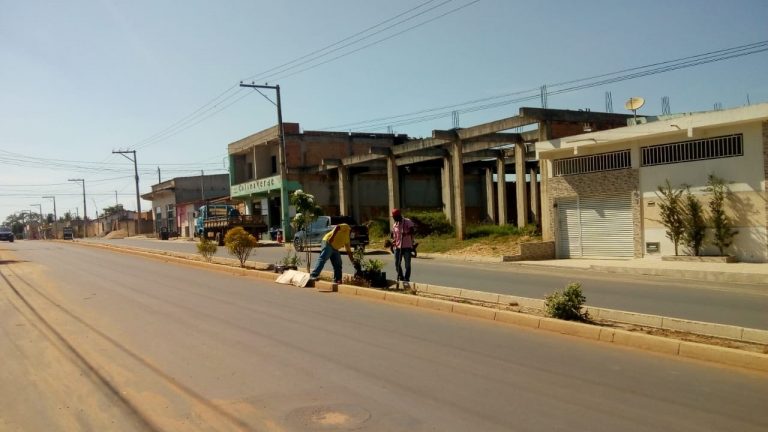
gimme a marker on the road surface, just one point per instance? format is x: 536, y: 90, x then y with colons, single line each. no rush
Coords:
x: 95, y: 340
x: 742, y: 305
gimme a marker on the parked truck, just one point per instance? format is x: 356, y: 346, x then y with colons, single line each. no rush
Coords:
x: 214, y: 220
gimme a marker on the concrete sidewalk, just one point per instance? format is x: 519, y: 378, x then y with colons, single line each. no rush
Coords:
x: 751, y: 273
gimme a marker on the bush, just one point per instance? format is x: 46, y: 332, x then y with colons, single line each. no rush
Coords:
x: 207, y: 248
x: 671, y: 213
x: 694, y: 223
x: 429, y: 222
x: 378, y: 229
x: 721, y: 223
x: 567, y: 305
x: 240, y: 243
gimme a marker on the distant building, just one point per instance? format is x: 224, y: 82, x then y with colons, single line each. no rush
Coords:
x: 599, y: 189
x: 174, y: 201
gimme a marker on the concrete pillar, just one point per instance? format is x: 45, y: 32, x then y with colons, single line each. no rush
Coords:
x: 344, y: 190
x: 457, y: 162
x: 522, y: 201
x: 393, y: 185
x: 447, y: 185
x: 490, y: 204
x: 356, y: 198
x: 534, y: 198
x: 501, y: 186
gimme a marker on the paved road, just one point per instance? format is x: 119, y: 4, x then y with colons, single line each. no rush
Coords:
x: 170, y: 347
x: 736, y: 304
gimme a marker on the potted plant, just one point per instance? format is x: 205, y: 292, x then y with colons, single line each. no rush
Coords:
x: 291, y: 261
x: 373, y: 274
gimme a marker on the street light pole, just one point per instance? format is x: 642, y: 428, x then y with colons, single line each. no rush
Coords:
x: 55, y: 217
x: 281, y: 155
x: 136, y: 173
x: 85, y: 213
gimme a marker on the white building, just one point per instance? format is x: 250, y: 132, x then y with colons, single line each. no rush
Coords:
x: 599, y: 189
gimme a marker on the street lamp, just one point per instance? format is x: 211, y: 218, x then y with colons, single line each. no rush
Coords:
x: 281, y: 153
x: 85, y: 213
x: 55, y: 217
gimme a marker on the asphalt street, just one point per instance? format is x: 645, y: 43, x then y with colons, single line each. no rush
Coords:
x: 723, y: 303
x: 183, y: 348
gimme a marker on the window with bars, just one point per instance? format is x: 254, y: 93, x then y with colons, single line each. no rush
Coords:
x: 592, y: 163
x: 686, y: 151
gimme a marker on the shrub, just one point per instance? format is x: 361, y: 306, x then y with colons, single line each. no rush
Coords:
x: 429, y: 222
x: 695, y: 225
x: 240, y: 243
x: 378, y: 229
x: 721, y: 223
x: 671, y: 212
x: 490, y: 230
x: 567, y: 305
x: 291, y: 259
x: 207, y: 248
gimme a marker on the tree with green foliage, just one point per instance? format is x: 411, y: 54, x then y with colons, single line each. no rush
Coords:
x: 694, y: 222
x: 307, y: 212
x: 718, y: 219
x: 240, y: 243
x: 567, y: 305
x: 671, y: 213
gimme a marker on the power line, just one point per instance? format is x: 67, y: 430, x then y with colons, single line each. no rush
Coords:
x: 528, y: 95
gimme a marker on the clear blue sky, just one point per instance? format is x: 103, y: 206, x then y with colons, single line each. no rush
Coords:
x: 79, y: 79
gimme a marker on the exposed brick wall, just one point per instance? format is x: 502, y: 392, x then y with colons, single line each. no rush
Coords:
x: 608, y: 182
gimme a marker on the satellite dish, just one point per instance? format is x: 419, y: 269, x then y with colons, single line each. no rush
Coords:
x: 634, y: 104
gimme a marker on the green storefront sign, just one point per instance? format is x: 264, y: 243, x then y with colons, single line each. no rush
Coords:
x: 260, y: 186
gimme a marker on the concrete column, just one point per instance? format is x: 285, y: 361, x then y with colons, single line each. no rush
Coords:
x: 522, y: 201
x: 344, y: 190
x: 447, y: 185
x: 501, y: 186
x: 490, y: 204
x: 534, y: 198
x: 356, y: 198
x: 393, y: 185
x: 457, y: 162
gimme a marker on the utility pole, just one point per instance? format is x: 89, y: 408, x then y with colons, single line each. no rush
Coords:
x: 136, y: 172
x: 158, y: 176
x: 116, y: 203
x: 85, y: 213
x: 202, y: 185
x: 55, y: 217
x: 281, y: 152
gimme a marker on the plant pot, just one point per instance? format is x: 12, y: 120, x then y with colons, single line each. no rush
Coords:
x: 376, y: 278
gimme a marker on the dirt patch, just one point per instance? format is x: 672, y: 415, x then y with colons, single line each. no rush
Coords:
x: 118, y: 234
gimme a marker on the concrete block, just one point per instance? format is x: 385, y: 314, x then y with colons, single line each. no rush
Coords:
x: 443, y: 291
x: 347, y: 289
x: 729, y: 356
x: 480, y: 296
x: 629, y: 317
x: 435, y: 304
x: 646, y: 342
x: 570, y: 328
x: 754, y: 335
x: 606, y: 334
x: 518, y: 319
x: 474, y: 311
x: 371, y: 293
x: 726, y: 331
x: 402, y: 298
x: 326, y: 286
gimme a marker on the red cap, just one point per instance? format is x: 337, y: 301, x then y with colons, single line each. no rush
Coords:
x: 395, y: 212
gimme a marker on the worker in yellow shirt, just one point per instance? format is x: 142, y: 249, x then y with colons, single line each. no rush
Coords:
x: 332, y: 243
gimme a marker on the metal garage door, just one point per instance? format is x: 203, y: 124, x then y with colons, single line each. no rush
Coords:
x: 595, y: 226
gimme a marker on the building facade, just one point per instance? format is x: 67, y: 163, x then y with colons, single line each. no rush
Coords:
x: 600, y: 190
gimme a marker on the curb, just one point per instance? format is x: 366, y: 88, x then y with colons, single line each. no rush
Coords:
x: 674, y: 347
x: 698, y: 275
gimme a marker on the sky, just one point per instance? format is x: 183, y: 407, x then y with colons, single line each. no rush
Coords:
x: 81, y: 79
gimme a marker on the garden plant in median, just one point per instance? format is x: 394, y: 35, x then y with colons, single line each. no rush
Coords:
x: 207, y: 248
x: 307, y: 212
x: 240, y: 243
x: 567, y: 305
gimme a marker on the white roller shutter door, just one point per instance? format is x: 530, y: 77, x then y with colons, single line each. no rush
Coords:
x: 596, y: 226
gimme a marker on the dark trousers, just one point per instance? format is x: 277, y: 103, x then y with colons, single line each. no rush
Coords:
x: 400, y: 255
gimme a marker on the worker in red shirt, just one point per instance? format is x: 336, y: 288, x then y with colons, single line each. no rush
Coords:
x: 402, y: 244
